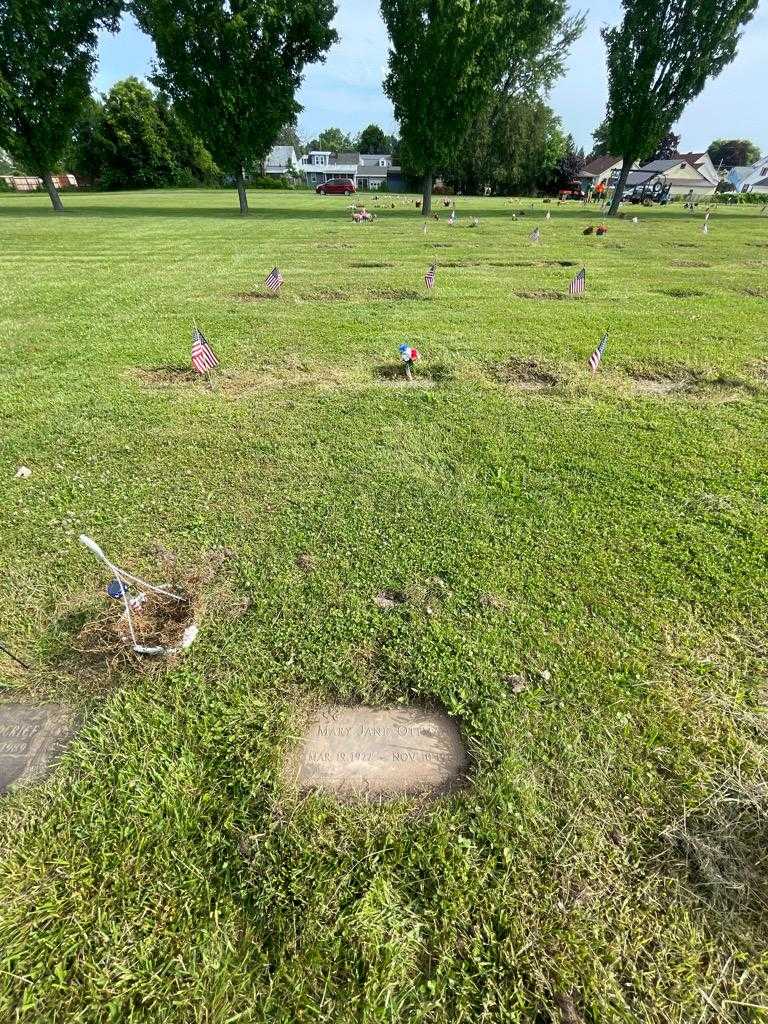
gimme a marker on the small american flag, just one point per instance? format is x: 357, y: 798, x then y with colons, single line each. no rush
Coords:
x: 203, y: 358
x: 579, y: 283
x: 429, y: 277
x: 597, y: 355
x: 535, y: 235
x: 274, y: 281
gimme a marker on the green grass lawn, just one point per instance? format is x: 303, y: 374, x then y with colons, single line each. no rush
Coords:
x: 605, y: 537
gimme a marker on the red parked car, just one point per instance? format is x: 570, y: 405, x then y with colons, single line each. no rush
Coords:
x: 337, y: 187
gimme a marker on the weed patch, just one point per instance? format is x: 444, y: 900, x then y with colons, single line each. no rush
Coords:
x: 681, y: 292
x: 394, y: 374
x: 234, y: 385
x: 721, y: 842
x: 669, y: 380
x: 524, y: 374
x: 257, y: 296
x: 543, y: 295
x: 168, y: 376
x: 105, y: 641
x: 396, y: 295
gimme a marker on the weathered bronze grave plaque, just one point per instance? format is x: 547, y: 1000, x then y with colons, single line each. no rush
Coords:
x: 380, y: 752
x: 30, y: 739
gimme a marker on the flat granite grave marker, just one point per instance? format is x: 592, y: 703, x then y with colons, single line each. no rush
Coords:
x: 379, y: 752
x: 30, y: 740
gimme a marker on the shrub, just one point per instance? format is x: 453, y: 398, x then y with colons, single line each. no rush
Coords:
x: 267, y: 182
x: 741, y: 198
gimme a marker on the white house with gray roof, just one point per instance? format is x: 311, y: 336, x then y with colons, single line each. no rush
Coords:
x: 368, y: 171
x: 750, y: 179
x: 281, y: 160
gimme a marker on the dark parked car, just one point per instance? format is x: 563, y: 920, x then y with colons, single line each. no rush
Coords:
x: 337, y: 187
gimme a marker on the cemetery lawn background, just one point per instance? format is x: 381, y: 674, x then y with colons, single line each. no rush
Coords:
x: 602, y: 539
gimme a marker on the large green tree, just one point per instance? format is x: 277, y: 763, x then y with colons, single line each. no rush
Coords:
x: 659, y: 59
x: 447, y: 58
x: 47, y: 57
x: 515, y: 148
x: 133, y: 139
x: 667, y: 147
x: 232, y: 68
x: 733, y: 153
x: 373, y: 140
x: 332, y: 139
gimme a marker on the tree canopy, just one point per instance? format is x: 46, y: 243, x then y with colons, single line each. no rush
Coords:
x: 47, y: 57
x: 448, y: 60
x: 518, y: 147
x: 659, y: 59
x: 733, y: 152
x: 334, y: 140
x: 133, y: 139
x: 667, y: 148
x: 232, y: 68
x: 373, y: 139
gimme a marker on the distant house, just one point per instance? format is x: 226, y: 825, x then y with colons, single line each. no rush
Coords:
x: 373, y: 170
x: 601, y: 169
x: 281, y: 160
x: 678, y: 175
x: 703, y: 164
x: 750, y: 179
x: 368, y: 171
x: 321, y: 165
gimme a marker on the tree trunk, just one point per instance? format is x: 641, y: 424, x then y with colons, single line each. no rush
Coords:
x: 242, y: 195
x: 53, y: 192
x: 618, y: 192
x: 426, y: 200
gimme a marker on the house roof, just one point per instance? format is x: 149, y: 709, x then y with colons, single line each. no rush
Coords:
x: 281, y: 154
x: 374, y: 171
x: 600, y: 164
x: 663, y: 165
x: 691, y: 158
x: 639, y: 177
x: 347, y: 158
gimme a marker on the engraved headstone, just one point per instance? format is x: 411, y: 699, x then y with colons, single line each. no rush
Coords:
x: 30, y: 740
x: 379, y: 752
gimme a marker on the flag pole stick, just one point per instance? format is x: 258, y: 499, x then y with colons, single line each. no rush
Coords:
x: 13, y: 657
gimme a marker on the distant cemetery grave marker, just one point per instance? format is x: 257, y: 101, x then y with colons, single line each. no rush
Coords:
x: 373, y: 752
x: 30, y: 740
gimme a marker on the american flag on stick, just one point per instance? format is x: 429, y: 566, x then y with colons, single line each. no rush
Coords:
x: 579, y: 283
x: 535, y: 235
x: 429, y: 277
x: 203, y: 356
x: 274, y: 281
x: 597, y: 355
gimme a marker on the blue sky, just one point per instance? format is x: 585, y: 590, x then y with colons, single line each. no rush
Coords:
x: 346, y: 91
